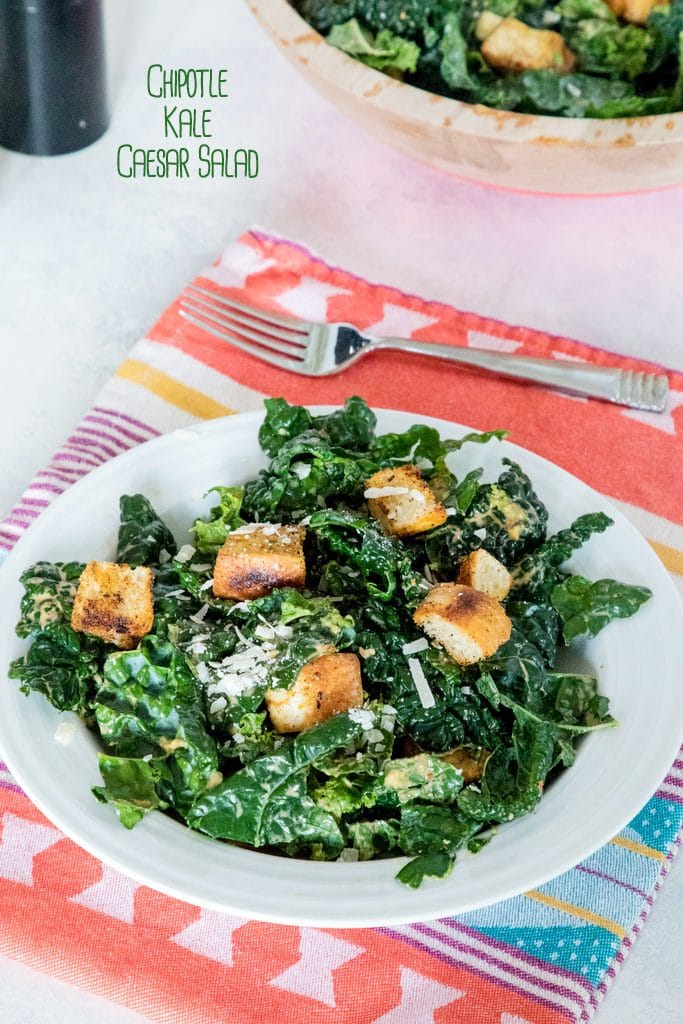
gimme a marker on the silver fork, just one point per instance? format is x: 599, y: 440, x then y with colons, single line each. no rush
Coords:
x: 317, y: 350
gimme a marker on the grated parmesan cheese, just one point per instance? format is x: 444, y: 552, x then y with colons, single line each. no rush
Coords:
x: 65, y: 732
x: 185, y: 554
x: 421, y: 685
x: 385, y: 492
x: 200, y: 615
x: 363, y: 717
x: 416, y: 646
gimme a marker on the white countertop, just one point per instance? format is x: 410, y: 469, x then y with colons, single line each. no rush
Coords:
x: 88, y: 260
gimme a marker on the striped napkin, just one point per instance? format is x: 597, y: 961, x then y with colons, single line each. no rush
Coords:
x: 545, y: 957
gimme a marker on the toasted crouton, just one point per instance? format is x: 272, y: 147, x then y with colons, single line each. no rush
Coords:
x: 514, y: 46
x: 402, y: 501
x: 635, y: 11
x: 115, y: 603
x: 469, y: 625
x: 484, y: 572
x: 470, y: 760
x: 325, y: 686
x: 257, y: 558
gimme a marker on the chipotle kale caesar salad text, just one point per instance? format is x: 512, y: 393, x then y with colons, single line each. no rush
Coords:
x: 575, y: 58
x: 353, y: 658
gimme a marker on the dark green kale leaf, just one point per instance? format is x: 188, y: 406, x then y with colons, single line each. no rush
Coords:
x: 49, y: 592
x: 209, y: 534
x: 453, y: 48
x: 506, y: 518
x: 573, y: 95
x: 147, y: 702
x: 373, y: 838
x: 402, y: 17
x: 432, y: 835
x: 384, y: 52
x: 142, y: 534
x: 266, y: 803
x: 61, y: 664
x: 424, y: 777
x: 351, y: 428
x: 586, y: 607
x: 130, y: 785
x: 283, y: 423
x: 539, y: 624
x: 361, y: 544
x: 514, y: 776
x: 536, y: 574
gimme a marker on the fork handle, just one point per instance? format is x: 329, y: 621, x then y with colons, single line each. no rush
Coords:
x: 609, y: 383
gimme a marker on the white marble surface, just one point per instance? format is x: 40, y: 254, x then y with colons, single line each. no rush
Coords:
x: 87, y: 260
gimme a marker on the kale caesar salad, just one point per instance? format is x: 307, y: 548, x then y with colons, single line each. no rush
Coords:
x: 354, y: 657
x: 575, y: 58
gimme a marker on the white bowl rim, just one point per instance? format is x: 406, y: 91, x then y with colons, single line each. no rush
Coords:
x: 402, y: 100
x: 100, y: 833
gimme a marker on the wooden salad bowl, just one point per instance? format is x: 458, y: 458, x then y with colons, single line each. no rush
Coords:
x: 532, y: 153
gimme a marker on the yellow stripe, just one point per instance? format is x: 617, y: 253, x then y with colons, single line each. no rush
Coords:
x: 673, y: 559
x: 644, y: 851
x: 194, y: 402
x: 581, y: 912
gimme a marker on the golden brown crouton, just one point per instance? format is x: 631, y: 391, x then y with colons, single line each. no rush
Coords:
x: 115, y: 603
x: 487, y: 22
x: 402, y: 501
x: 470, y: 760
x: 635, y: 11
x: 514, y: 46
x: 325, y: 686
x: 484, y: 572
x: 256, y: 559
x: 469, y: 625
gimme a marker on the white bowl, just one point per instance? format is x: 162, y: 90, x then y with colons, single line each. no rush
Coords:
x: 616, y: 771
x: 529, y: 152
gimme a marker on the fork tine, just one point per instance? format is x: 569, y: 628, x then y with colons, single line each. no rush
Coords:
x: 274, y: 319
x: 265, y: 355
x: 263, y: 326
x: 268, y: 342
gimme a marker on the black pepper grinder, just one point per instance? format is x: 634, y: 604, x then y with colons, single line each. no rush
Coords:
x: 52, y: 75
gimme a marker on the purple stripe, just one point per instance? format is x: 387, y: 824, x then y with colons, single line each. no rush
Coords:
x: 672, y: 797
x: 82, y: 450
x: 105, y: 434
x: 671, y: 780
x: 70, y: 457
x: 60, y: 475
x: 11, y: 786
x: 513, y: 969
x: 13, y: 521
x: 88, y: 442
x: 37, y: 502
x: 52, y: 488
x: 506, y: 948
x: 542, y: 1000
x: 615, y: 881
x: 678, y: 764
x: 127, y: 419
x: 11, y: 537
x: 136, y: 438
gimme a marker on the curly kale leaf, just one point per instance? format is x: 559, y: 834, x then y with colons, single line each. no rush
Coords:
x: 537, y: 574
x: 586, y: 607
x: 142, y: 534
x: 209, y: 534
x: 130, y: 785
x: 610, y: 49
x: 266, y: 803
x: 61, y: 664
x: 49, y: 592
x: 373, y: 838
x: 432, y: 835
x: 514, y: 776
x: 148, y: 702
x: 384, y: 52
